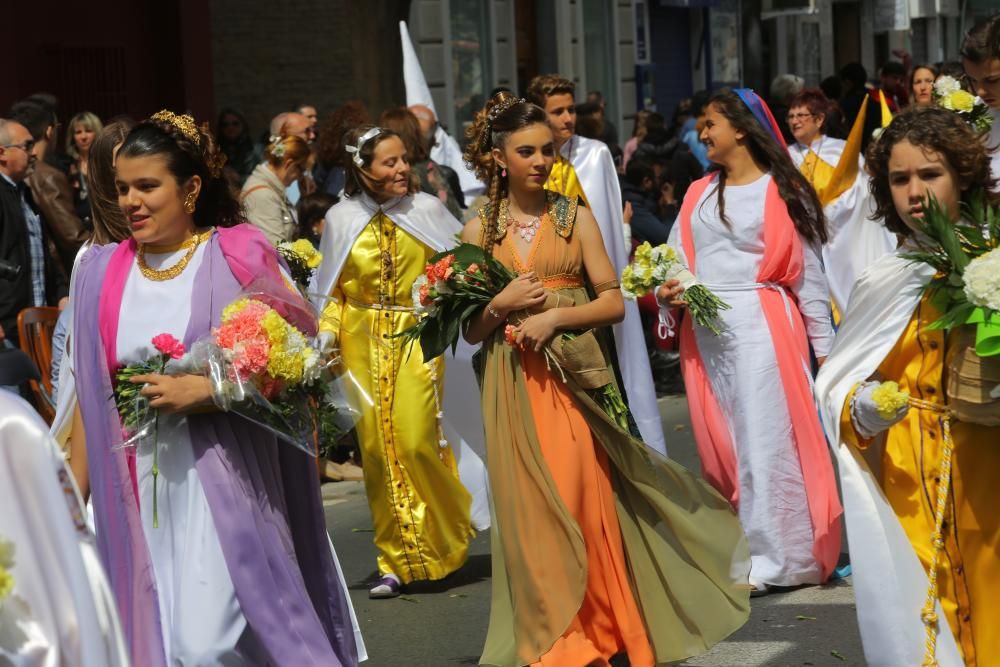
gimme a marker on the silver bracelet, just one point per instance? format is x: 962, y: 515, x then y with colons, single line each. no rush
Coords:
x: 493, y: 311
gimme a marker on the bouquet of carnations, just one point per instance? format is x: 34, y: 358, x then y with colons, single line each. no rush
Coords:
x: 948, y: 94
x: 263, y: 364
x: 458, y: 283
x: 966, y: 287
x: 302, y: 258
x: 455, y: 285
x: 651, y: 267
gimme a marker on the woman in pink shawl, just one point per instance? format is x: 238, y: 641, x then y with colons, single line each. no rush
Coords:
x: 751, y: 231
x: 239, y: 569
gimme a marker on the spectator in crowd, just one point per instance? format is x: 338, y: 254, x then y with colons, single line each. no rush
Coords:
x: 682, y: 113
x: 50, y: 189
x: 589, y: 122
x: 83, y: 127
x: 610, y: 133
x: 691, y: 130
x: 639, y: 190
x: 236, y: 142
x: 783, y: 89
x: 638, y: 133
x: 265, y: 192
x: 893, y: 83
x: 309, y: 111
x: 444, y: 150
x: 28, y: 277
x: 856, y: 89
x: 311, y: 211
x: 673, y: 178
x: 922, y: 80
x: 110, y: 226
x: 657, y: 144
x: 294, y: 124
x: 50, y: 103
x: 329, y: 172
x: 954, y: 69
x: 434, y: 179
x: 981, y: 62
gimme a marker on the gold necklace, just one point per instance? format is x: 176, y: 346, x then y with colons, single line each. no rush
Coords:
x: 161, y: 275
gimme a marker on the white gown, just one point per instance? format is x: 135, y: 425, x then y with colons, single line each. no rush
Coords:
x: 856, y: 242
x: 743, y: 370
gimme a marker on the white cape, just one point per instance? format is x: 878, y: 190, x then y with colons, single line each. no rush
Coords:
x: 856, y: 241
x: 445, y: 150
x: 890, y: 584
x: 61, y: 610
x: 426, y: 219
x: 598, y: 177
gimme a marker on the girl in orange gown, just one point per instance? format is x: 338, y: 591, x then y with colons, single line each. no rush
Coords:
x: 600, y: 546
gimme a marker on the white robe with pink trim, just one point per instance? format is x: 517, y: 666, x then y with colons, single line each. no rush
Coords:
x: 743, y: 371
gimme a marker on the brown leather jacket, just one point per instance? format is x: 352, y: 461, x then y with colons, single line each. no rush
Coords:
x: 53, y: 198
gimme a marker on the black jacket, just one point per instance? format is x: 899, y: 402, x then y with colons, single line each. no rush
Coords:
x: 15, y: 295
x: 646, y: 226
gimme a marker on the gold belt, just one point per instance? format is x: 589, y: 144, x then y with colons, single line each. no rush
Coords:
x: 380, y: 306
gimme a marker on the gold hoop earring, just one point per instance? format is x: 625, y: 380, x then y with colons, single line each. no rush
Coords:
x: 189, y: 203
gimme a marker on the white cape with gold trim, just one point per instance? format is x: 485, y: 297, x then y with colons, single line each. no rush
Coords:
x: 596, y: 172
x: 426, y: 219
x: 890, y: 584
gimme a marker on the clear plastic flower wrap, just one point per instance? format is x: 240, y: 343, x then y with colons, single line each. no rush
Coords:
x: 265, y: 364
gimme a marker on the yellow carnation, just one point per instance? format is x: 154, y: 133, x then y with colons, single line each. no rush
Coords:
x: 6, y: 583
x: 233, y: 308
x: 962, y: 100
x: 889, y: 399
x: 307, y: 252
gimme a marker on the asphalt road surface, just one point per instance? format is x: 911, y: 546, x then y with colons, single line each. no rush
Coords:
x: 443, y: 624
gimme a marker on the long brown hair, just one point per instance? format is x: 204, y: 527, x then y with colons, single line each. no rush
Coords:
x: 405, y: 124
x: 501, y: 116
x: 799, y: 196
x: 110, y: 225
x: 358, y: 178
x: 934, y: 129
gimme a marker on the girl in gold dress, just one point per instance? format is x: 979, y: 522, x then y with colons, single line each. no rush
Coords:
x: 375, y: 244
x: 600, y: 546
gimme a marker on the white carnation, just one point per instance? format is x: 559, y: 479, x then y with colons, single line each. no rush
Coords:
x: 946, y: 85
x: 982, y: 280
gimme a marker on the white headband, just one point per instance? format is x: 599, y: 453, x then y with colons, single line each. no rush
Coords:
x: 362, y: 140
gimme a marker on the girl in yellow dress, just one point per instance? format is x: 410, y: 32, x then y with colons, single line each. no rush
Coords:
x: 375, y: 244
x: 891, y: 466
x: 600, y: 546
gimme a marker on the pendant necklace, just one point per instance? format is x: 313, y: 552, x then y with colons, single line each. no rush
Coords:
x: 526, y: 230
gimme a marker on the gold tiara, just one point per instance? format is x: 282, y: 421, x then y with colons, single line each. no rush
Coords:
x: 184, y: 123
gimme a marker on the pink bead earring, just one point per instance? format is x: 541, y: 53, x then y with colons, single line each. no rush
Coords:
x: 503, y: 173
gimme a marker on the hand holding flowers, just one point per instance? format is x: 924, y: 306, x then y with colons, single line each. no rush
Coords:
x: 662, y: 268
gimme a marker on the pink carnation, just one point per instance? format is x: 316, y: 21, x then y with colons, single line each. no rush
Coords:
x: 168, y: 345
x: 251, y: 356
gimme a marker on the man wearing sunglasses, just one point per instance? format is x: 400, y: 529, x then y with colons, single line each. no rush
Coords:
x: 27, y: 277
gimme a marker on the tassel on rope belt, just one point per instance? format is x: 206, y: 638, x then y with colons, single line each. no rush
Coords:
x: 380, y: 306
x: 929, y: 612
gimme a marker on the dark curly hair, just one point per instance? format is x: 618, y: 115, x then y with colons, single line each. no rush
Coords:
x: 490, y: 130
x: 217, y: 205
x: 544, y: 86
x: 799, y: 196
x: 933, y: 129
x: 330, y: 149
x: 982, y: 42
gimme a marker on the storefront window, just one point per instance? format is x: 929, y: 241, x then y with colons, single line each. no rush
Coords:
x: 472, y: 68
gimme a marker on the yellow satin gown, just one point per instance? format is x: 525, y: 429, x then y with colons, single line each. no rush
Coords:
x: 420, y: 509
x: 969, y: 568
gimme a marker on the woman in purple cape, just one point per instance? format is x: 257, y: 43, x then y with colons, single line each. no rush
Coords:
x: 240, y: 569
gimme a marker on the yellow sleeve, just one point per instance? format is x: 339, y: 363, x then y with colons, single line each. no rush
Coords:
x: 848, y: 433
x: 329, y: 319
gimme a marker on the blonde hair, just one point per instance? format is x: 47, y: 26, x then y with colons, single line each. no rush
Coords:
x: 89, y: 121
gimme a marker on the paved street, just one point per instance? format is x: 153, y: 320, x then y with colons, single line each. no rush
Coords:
x: 444, y: 623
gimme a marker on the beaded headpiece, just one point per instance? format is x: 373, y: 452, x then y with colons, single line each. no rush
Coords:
x: 184, y: 123
x: 495, y: 113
